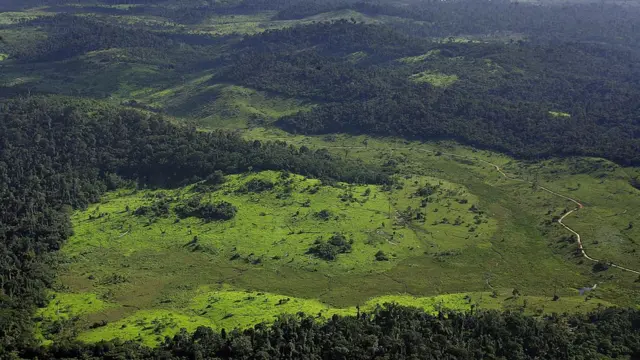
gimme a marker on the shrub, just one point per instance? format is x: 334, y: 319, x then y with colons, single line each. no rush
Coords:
x: 323, y: 215
x: 381, y: 256
x: 600, y: 266
x: 256, y: 186
x: 157, y: 209
x: 208, y: 212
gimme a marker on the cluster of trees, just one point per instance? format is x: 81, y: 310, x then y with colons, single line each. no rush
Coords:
x: 394, y: 332
x: 206, y: 211
x: 329, y: 250
x: 57, y: 154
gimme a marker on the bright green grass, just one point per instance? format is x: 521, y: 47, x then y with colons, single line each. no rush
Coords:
x: 559, y: 114
x: 160, y: 270
x: 518, y: 247
x: 227, y: 308
x: 66, y: 305
x: 146, y: 326
x: 3, y: 56
x: 279, y: 228
x: 444, y: 258
x: 420, y: 58
x: 435, y: 79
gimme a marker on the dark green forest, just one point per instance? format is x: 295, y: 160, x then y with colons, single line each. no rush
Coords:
x: 527, y: 63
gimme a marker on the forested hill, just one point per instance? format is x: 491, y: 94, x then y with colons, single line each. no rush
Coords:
x: 530, y: 100
x: 57, y: 154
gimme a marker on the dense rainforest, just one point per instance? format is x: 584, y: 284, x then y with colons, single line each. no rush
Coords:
x: 57, y: 154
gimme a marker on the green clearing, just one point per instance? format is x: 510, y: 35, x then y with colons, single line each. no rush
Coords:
x: 558, y: 114
x: 66, y: 305
x: 3, y: 57
x: 240, y: 24
x: 287, y: 220
x: 435, y: 79
x: 420, y: 58
x: 157, y: 274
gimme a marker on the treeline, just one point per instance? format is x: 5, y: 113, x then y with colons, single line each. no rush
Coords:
x: 57, y: 154
x: 394, y: 332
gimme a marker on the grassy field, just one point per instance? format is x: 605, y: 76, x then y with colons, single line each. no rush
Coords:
x: 559, y: 114
x: 143, y: 277
x: 435, y: 79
